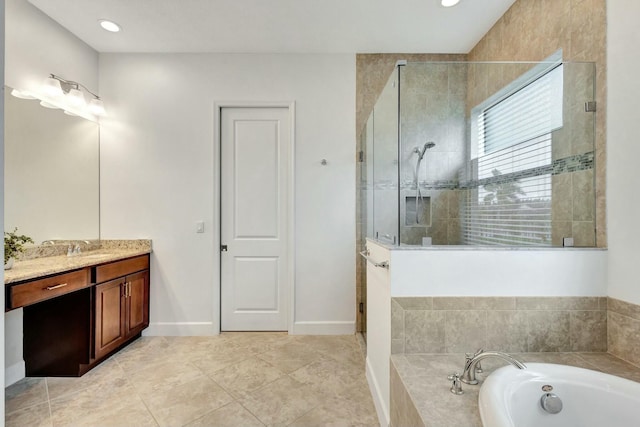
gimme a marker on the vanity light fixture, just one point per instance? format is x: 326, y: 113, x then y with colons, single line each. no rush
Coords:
x: 52, y: 87
x: 22, y: 94
x: 449, y: 3
x: 68, y: 95
x: 110, y: 26
x: 76, y: 98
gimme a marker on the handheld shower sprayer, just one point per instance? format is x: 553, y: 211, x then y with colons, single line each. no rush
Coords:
x: 427, y: 145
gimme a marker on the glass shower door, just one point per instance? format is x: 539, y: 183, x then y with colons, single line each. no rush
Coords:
x: 382, y: 150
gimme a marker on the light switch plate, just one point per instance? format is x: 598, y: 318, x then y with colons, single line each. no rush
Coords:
x: 567, y: 242
x: 200, y: 227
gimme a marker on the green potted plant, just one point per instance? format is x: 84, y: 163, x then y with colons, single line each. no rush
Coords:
x: 13, y: 246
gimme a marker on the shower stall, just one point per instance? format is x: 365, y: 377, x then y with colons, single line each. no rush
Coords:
x: 482, y: 153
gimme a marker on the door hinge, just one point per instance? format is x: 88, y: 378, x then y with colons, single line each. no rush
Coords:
x: 361, y: 156
x: 361, y: 307
x: 223, y: 248
x: 590, y: 106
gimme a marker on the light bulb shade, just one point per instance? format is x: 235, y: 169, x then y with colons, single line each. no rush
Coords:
x: 75, y: 98
x: 48, y: 105
x: 96, y: 107
x: 51, y: 87
x: 22, y: 94
x: 449, y: 3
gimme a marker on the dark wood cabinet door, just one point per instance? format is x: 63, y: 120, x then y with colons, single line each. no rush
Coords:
x: 110, y: 316
x: 137, y: 302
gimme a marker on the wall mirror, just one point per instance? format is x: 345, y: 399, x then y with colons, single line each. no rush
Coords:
x: 52, y: 172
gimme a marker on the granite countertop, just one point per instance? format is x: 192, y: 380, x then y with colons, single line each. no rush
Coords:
x: 106, y: 251
x: 425, y: 379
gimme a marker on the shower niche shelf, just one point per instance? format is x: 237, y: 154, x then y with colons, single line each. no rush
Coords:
x: 417, y: 211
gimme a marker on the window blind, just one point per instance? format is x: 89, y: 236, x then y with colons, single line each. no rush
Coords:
x: 529, y: 112
x: 509, y: 201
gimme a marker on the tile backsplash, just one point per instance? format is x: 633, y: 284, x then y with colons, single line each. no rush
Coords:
x: 510, y: 324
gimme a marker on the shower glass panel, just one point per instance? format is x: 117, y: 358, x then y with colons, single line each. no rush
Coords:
x: 382, y: 145
x: 482, y: 153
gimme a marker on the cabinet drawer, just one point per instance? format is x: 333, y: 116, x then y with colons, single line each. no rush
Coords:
x: 49, y: 287
x: 117, y: 269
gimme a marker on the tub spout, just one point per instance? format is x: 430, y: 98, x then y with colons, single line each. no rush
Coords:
x: 469, y: 374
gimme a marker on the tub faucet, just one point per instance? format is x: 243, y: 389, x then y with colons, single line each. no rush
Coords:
x: 469, y: 374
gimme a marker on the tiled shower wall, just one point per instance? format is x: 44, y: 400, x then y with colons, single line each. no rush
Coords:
x: 509, y: 324
x: 532, y: 30
x: 432, y: 105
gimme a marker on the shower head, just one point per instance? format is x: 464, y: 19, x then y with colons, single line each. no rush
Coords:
x: 425, y: 147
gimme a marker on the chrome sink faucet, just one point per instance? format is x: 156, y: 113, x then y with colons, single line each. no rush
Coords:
x: 472, y: 362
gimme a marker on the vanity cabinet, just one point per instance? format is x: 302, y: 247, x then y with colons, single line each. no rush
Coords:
x: 74, y: 320
x: 122, y: 311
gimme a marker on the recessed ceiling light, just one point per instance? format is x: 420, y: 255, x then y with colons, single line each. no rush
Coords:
x: 449, y: 3
x: 109, y: 25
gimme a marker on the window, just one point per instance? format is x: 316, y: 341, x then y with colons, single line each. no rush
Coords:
x: 510, y: 202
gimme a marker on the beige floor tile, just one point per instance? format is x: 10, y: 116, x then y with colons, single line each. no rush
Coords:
x: 329, y: 343
x: 343, y: 348
x: 194, y: 348
x: 234, y: 379
x: 281, y: 402
x: 144, y: 353
x: 215, y: 360
x: 106, y: 372
x: 290, y: 356
x: 246, y: 376
x: 186, y: 402
x: 34, y: 416
x: 144, y: 345
x: 330, y: 377
x: 231, y: 415
x: 116, y: 405
x: 259, y: 342
x: 26, y: 392
x: 339, y: 412
x: 163, y: 377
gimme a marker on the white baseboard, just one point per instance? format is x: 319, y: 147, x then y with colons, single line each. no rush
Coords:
x: 383, y: 412
x: 209, y: 328
x: 14, y: 373
x: 181, y: 329
x: 323, y: 328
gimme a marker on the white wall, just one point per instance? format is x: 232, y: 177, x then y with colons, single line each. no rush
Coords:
x: 36, y: 46
x: 157, y: 176
x: 498, y: 272
x: 623, y: 149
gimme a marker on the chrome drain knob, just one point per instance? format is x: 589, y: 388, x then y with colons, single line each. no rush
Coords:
x: 551, y: 403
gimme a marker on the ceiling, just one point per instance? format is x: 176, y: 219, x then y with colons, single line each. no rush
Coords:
x: 278, y: 26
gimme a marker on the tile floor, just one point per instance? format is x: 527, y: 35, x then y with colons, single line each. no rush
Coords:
x: 234, y: 379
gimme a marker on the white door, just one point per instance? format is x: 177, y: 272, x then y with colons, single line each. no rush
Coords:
x: 254, y: 216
